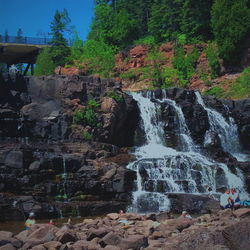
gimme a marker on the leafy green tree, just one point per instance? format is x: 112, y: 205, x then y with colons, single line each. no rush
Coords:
x: 60, y: 50
x: 76, y: 50
x: 44, y: 63
x: 99, y: 57
x: 230, y: 23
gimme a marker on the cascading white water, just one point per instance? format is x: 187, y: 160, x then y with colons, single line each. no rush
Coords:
x: 162, y: 169
x: 226, y: 130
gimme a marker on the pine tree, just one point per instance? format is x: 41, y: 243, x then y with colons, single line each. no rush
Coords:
x: 6, y: 36
x: 19, y: 36
x: 195, y: 19
x: 230, y: 24
x: 60, y: 50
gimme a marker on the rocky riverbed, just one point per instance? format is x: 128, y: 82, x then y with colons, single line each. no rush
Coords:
x: 225, y: 229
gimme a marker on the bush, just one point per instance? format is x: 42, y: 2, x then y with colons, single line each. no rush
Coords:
x: 241, y: 87
x: 215, y: 91
x: 129, y: 75
x: 148, y: 40
x: 171, y: 77
x: 87, y: 115
x: 44, y: 63
x: 185, y: 64
x: 213, y: 59
x: 114, y: 95
x: 99, y: 57
x: 87, y: 136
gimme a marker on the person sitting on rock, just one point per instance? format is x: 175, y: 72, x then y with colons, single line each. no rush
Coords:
x: 235, y: 197
x: 226, y: 200
x: 186, y: 215
x: 30, y: 221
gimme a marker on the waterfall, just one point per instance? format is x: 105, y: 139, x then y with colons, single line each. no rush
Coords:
x: 226, y: 130
x: 161, y: 169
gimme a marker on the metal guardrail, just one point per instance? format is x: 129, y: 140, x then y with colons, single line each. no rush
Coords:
x: 28, y: 40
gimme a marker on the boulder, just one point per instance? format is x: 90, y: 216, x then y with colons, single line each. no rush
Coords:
x: 4, y: 235
x: 14, y: 159
x: 67, y: 236
x: 242, y: 212
x: 7, y: 247
x: 97, y: 233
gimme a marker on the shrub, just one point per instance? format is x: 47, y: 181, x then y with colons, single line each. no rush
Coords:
x: 213, y: 59
x: 129, y: 75
x: 215, y: 91
x: 87, y: 136
x: 185, y: 64
x: 114, y: 95
x: 44, y: 63
x: 87, y: 115
x: 148, y: 40
x: 170, y: 76
x: 241, y: 87
x: 99, y: 57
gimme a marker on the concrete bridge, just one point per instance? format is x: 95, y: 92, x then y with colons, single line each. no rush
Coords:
x: 15, y: 50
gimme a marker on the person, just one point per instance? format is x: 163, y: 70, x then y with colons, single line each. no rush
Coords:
x: 186, y: 215
x: 30, y: 221
x: 51, y: 222
x: 226, y: 200
x: 235, y: 198
x: 120, y: 212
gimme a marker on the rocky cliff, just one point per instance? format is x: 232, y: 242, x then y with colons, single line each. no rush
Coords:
x: 52, y: 165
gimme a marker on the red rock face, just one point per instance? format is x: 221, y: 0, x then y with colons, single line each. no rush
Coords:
x: 69, y: 71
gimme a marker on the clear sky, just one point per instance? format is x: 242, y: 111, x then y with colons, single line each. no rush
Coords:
x: 34, y: 16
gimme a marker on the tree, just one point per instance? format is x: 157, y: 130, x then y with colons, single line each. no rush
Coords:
x: 6, y: 36
x: 60, y: 50
x: 114, y: 28
x: 195, y: 19
x: 44, y: 63
x: 19, y: 36
x: 164, y: 22
x: 231, y: 24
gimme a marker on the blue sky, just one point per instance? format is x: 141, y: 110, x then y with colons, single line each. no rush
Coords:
x: 34, y: 16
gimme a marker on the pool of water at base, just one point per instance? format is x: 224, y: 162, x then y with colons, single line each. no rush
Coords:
x: 18, y: 226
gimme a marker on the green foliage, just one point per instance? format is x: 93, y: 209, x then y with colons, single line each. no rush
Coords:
x: 241, y: 87
x: 99, y: 57
x: 215, y: 91
x: 185, y: 64
x: 148, y: 40
x: 156, y: 58
x: 114, y: 95
x: 60, y: 50
x: 76, y: 50
x: 114, y: 28
x: 87, y: 136
x: 87, y: 115
x: 195, y: 19
x: 170, y: 77
x: 128, y: 75
x: 230, y: 23
x: 44, y: 63
x: 213, y: 59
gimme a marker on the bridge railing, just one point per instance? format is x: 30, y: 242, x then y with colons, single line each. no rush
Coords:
x: 28, y: 40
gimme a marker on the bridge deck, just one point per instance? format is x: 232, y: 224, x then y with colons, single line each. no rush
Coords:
x: 13, y: 53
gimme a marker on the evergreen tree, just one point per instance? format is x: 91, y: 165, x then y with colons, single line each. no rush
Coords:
x: 6, y: 36
x: 44, y: 63
x: 19, y: 36
x: 195, y: 19
x: 60, y: 50
x: 164, y: 22
x: 114, y: 28
x: 230, y: 24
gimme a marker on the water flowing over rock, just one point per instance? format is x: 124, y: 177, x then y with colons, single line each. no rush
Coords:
x: 172, y: 141
x: 178, y: 158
